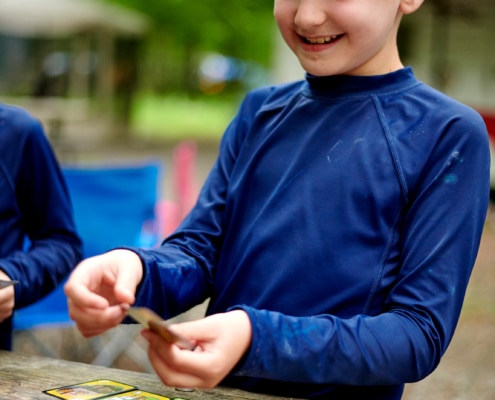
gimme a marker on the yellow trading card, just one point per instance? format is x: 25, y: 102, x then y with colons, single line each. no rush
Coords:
x: 90, y: 390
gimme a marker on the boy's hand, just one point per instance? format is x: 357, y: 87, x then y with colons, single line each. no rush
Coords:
x: 221, y: 339
x: 100, y: 287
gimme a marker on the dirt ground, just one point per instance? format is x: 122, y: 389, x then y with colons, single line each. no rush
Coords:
x: 466, y: 372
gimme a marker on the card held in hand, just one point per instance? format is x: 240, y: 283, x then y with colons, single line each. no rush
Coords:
x: 149, y: 319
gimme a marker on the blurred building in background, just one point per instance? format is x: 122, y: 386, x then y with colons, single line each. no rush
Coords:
x: 450, y: 45
x: 72, y: 63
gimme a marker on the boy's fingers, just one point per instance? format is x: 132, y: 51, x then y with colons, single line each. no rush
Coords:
x: 79, y: 294
x: 125, y: 289
x: 92, y: 321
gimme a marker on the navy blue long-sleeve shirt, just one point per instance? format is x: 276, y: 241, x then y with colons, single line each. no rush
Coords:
x: 34, y: 204
x: 344, y: 215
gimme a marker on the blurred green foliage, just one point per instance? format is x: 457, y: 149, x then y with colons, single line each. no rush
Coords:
x: 183, y: 31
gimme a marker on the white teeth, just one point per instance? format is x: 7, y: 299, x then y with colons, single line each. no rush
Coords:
x: 322, y: 40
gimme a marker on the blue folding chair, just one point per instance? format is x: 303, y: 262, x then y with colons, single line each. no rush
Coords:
x: 113, y: 206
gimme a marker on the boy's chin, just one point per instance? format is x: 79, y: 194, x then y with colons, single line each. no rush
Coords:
x: 330, y: 69
x: 321, y: 70
x: 321, y: 67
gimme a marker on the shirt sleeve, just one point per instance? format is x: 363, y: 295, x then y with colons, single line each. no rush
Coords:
x: 185, y: 263
x: 53, y: 246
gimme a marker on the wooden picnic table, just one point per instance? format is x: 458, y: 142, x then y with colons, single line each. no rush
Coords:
x: 27, y: 377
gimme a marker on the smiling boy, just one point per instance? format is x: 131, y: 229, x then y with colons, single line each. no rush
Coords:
x: 335, y: 235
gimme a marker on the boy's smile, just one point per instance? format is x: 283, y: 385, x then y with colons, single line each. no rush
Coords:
x: 322, y: 40
x: 353, y: 37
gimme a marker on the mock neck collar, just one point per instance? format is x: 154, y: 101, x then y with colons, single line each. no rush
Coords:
x: 350, y: 85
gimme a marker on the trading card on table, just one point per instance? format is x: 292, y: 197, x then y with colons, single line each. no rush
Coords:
x: 96, y: 389
x: 139, y: 395
x: 151, y: 320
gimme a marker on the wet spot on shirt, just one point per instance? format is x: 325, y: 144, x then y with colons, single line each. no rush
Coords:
x: 455, y: 156
x: 342, y: 150
x: 450, y: 179
x: 334, y: 153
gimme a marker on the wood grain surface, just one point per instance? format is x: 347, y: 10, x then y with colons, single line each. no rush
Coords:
x: 26, y: 377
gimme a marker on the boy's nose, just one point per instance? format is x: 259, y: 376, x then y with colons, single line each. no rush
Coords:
x: 310, y: 13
